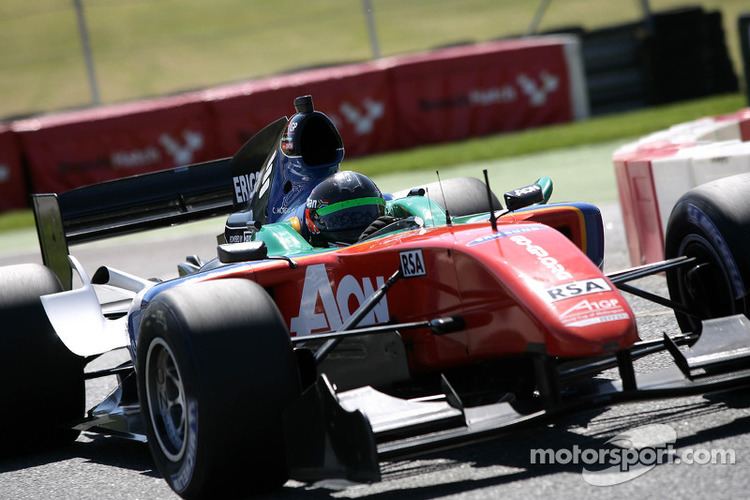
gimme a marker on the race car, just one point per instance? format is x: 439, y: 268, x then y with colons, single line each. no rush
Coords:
x: 458, y: 322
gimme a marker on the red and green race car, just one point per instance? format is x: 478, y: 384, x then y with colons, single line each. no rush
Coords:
x: 460, y: 321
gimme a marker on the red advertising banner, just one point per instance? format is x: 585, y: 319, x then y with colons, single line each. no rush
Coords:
x: 13, y: 193
x: 404, y: 101
x: 84, y: 147
x: 480, y: 89
x: 356, y: 97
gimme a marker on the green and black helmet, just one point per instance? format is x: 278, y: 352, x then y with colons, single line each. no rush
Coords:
x: 341, y: 207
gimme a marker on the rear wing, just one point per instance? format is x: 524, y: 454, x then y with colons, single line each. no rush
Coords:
x: 149, y: 201
x: 129, y: 205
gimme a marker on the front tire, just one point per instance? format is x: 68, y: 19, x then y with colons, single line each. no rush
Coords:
x: 712, y: 224
x: 215, y: 371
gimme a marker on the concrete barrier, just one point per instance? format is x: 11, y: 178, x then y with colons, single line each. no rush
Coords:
x: 653, y: 172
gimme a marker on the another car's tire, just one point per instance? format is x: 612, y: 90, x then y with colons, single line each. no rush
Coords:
x: 712, y: 223
x: 42, y: 381
x: 463, y: 195
x: 215, y: 370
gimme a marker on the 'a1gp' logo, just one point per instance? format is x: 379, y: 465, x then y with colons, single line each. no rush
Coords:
x: 336, y: 303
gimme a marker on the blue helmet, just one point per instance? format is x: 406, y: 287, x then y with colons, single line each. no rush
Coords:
x: 341, y: 207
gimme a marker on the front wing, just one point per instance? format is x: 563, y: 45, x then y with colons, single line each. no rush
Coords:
x: 346, y: 435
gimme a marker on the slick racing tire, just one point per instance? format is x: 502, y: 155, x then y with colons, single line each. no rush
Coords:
x: 711, y: 223
x: 42, y: 381
x: 463, y: 195
x: 215, y: 370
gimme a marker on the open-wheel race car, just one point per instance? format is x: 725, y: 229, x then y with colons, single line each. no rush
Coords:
x: 456, y: 321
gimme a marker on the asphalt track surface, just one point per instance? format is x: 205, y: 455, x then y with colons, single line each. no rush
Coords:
x: 96, y: 467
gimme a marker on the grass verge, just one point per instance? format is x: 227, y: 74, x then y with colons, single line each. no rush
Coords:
x: 150, y: 48
x: 17, y: 219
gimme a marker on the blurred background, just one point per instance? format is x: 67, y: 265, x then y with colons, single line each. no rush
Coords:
x: 93, y: 90
x: 153, y: 47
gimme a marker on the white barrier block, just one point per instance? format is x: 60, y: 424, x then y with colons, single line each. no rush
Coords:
x: 693, y: 166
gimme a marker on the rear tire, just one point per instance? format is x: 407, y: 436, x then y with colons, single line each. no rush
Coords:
x: 463, y: 195
x: 43, y: 385
x: 215, y: 370
x: 712, y: 224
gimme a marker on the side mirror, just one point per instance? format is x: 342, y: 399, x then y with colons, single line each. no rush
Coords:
x: 240, y: 227
x: 539, y: 192
x: 241, y: 252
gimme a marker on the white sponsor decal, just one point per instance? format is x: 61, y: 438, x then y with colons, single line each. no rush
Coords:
x: 700, y: 219
x: 577, y: 288
x: 265, y: 181
x: 181, y: 479
x: 182, y: 152
x: 282, y: 210
x: 241, y: 238
x: 412, y: 263
x: 531, y: 188
x: 364, y: 122
x: 336, y: 303
x: 589, y: 312
x: 503, y: 234
x: 244, y: 187
x: 4, y: 172
x: 537, y: 91
x: 544, y: 258
x: 599, y: 319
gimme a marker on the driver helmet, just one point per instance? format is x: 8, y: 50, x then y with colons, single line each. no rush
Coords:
x: 341, y: 207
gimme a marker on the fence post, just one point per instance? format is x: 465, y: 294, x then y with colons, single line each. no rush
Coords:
x: 370, y: 18
x: 538, y: 15
x: 86, y: 47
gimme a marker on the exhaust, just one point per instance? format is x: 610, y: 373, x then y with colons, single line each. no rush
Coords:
x: 120, y: 279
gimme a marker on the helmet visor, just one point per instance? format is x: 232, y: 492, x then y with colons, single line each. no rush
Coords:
x: 344, y: 221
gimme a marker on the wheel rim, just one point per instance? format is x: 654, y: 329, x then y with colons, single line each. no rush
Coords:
x: 705, y: 288
x: 167, y: 407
